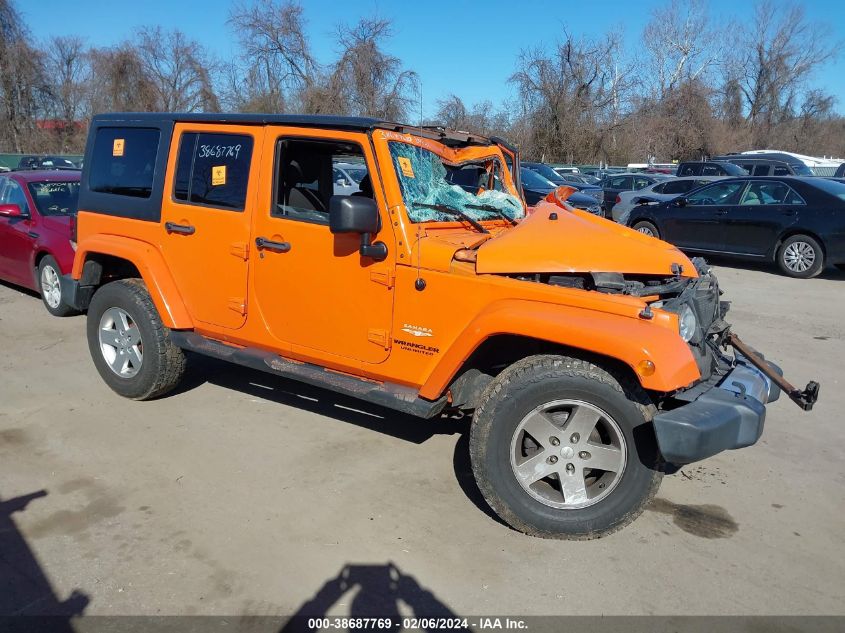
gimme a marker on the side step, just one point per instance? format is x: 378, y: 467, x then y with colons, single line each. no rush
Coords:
x: 385, y: 394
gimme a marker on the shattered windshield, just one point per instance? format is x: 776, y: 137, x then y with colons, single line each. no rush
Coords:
x: 475, y: 188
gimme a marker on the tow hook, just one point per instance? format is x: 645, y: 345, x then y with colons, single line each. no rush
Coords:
x: 805, y: 398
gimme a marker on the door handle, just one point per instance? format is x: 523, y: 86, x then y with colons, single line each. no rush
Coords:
x: 182, y: 229
x: 262, y: 243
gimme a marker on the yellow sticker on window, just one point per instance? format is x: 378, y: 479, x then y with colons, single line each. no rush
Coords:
x: 218, y: 175
x: 117, y: 147
x: 405, y: 165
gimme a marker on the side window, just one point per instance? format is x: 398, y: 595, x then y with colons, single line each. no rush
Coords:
x: 661, y: 188
x: 12, y: 193
x: 641, y: 183
x: 213, y: 170
x: 712, y: 170
x: 768, y: 193
x: 688, y: 170
x: 719, y: 193
x: 676, y: 186
x: 123, y: 161
x: 781, y: 171
x: 761, y: 170
x: 621, y: 182
x: 304, y: 181
x: 793, y: 198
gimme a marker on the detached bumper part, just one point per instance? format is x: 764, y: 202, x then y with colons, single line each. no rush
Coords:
x: 730, y: 415
x: 76, y: 295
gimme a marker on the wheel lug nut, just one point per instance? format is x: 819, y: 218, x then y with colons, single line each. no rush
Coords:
x: 552, y: 459
x: 570, y: 468
x: 574, y: 438
x: 584, y: 455
x: 554, y: 441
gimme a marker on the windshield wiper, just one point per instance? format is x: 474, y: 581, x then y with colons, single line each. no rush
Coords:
x: 452, y: 211
x: 492, y: 209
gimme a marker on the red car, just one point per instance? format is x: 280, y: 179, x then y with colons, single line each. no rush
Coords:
x: 37, y: 216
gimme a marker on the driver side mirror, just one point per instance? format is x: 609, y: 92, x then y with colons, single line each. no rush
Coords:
x: 357, y: 214
x: 11, y: 211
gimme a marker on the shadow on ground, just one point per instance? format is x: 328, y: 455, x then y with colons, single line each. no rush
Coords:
x: 371, y: 591
x: 204, y: 369
x: 24, y: 587
x: 830, y: 272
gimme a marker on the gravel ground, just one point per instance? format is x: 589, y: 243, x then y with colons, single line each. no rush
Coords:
x: 247, y: 494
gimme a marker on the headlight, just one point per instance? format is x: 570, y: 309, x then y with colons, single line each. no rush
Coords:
x: 686, y: 323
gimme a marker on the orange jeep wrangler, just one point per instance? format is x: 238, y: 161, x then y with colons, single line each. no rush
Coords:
x: 592, y: 356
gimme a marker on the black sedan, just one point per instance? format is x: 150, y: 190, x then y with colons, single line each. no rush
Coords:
x: 799, y: 223
x: 535, y: 188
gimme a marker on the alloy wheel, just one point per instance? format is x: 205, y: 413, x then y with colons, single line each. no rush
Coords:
x: 799, y: 257
x: 568, y: 454
x: 51, y: 287
x: 120, y: 342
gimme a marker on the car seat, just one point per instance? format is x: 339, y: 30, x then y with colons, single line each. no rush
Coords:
x: 294, y: 194
x: 751, y: 197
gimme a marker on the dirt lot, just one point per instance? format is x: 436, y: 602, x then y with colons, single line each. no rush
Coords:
x: 243, y: 493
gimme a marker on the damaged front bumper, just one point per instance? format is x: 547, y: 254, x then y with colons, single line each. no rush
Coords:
x: 728, y: 415
x: 728, y: 411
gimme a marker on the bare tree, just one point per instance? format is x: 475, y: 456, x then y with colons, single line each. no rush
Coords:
x: 573, y: 96
x: 120, y: 82
x: 374, y: 82
x: 68, y: 71
x: 777, y: 56
x: 680, y: 44
x: 22, y: 81
x: 482, y: 118
x: 276, y: 61
x: 179, y: 71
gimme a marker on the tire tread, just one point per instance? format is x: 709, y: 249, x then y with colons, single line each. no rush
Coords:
x: 534, y: 369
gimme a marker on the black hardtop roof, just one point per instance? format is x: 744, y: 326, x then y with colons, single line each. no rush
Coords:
x: 323, y: 121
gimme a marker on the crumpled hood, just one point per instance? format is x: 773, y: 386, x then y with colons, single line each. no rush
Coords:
x: 576, y: 242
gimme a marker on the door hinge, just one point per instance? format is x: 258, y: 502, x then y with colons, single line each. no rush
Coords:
x: 379, y: 337
x: 383, y: 277
x: 237, y: 304
x: 240, y: 249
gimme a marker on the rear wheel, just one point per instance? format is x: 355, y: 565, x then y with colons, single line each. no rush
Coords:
x: 129, y: 344
x: 800, y: 256
x: 50, y: 286
x: 561, y: 448
x: 646, y: 228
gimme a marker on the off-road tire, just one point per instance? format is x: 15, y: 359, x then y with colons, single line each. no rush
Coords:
x: 62, y: 309
x: 163, y: 362
x: 540, y: 379
x: 645, y: 224
x: 818, y: 262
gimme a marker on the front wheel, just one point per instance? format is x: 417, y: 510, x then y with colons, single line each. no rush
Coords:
x: 561, y: 448
x: 129, y: 344
x: 50, y: 285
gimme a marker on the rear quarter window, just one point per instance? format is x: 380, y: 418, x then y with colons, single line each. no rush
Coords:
x: 123, y: 161
x: 213, y: 170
